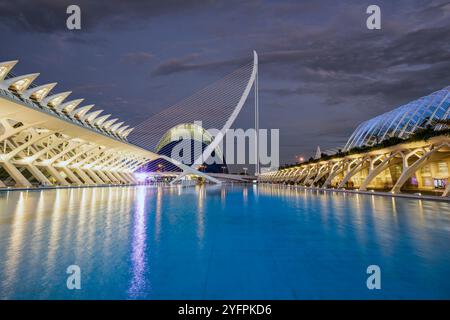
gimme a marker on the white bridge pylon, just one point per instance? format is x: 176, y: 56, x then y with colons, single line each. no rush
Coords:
x: 219, y: 137
x: 212, y: 110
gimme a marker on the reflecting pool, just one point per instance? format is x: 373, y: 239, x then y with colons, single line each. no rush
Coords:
x: 230, y: 242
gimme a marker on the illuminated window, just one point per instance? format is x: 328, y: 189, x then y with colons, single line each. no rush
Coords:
x: 425, y: 170
x: 442, y: 168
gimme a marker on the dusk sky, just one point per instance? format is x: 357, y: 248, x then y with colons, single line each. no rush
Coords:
x: 321, y: 70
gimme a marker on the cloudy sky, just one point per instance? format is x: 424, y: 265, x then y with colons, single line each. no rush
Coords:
x: 321, y: 70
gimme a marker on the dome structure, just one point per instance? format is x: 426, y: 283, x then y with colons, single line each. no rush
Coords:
x: 402, y: 121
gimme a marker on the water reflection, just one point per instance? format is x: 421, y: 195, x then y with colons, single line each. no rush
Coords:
x: 143, y: 242
x: 138, y: 246
x: 15, y: 242
x: 368, y: 218
x: 201, y: 192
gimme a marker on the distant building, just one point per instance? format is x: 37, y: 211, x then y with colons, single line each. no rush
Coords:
x: 172, y: 145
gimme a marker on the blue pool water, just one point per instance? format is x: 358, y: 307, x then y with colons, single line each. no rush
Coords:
x: 221, y: 243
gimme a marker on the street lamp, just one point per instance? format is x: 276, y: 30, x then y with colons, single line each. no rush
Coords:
x: 223, y: 169
x: 245, y: 171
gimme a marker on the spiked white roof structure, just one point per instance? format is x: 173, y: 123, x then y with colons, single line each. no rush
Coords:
x: 21, y: 83
x: 80, y: 112
x: 55, y: 104
x: 5, y: 67
x: 40, y: 92
x: 89, y: 118
x: 109, y: 123
x: 122, y: 129
x: 56, y: 99
x: 70, y: 105
x: 100, y: 120
x: 127, y: 132
x: 114, y: 127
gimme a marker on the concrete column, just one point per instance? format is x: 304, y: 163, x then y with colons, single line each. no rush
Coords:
x: 84, y: 176
x: 127, y: 177
x: 71, y: 175
x: 38, y: 174
x: 115, y: 174
x: 112, y: 177
x: 18, y: 177
x: 130, y: 175
x: 103, y: 176
x: 94, y: 176
x: 57, y: 175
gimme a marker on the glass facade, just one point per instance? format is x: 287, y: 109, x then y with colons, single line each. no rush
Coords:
x: 402, y: 121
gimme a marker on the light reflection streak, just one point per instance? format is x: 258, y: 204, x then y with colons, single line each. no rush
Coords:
x: 159, y: 195
x: 360, y: 225
x: 137, y: 285
x: 421, y: 214
x: 38, y: 234
x: 394, y: 207
x: 55, y: 225
x: 80, y: 236
x: 245, y: 195
x: 13, y: 255
x: 223, y: 195
x: 201, y: 213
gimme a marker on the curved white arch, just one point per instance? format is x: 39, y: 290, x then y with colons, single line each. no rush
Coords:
x: 219, y: 137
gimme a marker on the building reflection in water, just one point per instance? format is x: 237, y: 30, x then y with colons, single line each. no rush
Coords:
x: 201, y: 195
x: 138, y: 283
x: 42, y: 232
x: 110, y: 232
x: 245, y: 195
x: 371, y: 218
x: 159, y: 204
x: 15, y: 241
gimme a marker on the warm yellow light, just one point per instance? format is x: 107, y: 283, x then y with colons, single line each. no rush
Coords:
x: 56, y: 101
x: 20, y: 85
x: 39, y: 94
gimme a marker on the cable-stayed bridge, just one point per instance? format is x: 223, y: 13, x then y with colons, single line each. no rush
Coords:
x: 48, y: 139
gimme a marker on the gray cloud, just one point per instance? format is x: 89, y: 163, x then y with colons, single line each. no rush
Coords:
x: 318, y: 62
x: 50, y: 16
